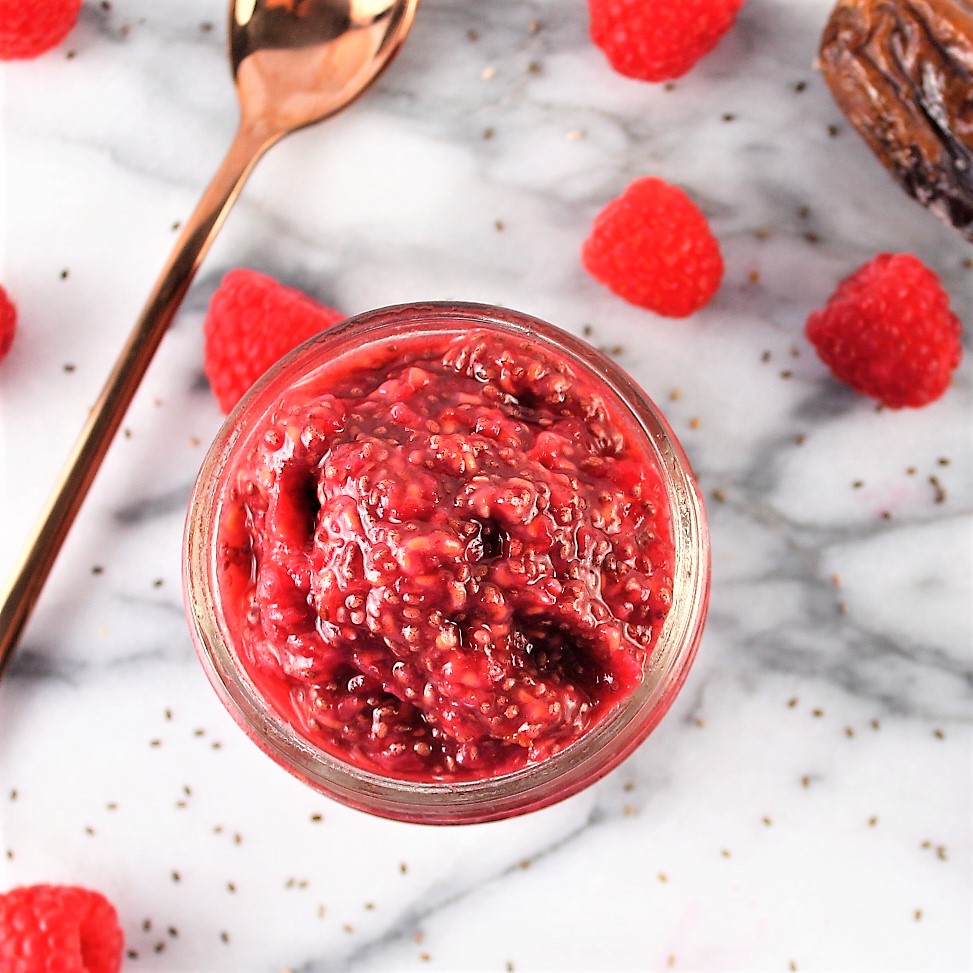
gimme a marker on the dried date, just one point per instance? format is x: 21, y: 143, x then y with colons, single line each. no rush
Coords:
x: 902, y: 72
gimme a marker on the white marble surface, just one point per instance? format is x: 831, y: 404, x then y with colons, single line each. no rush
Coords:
x: 806, y: 804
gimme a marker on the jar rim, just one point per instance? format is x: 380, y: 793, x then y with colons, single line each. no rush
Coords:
x: 603, y: 745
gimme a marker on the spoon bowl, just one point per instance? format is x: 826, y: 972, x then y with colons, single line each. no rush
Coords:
x: 295, y: 62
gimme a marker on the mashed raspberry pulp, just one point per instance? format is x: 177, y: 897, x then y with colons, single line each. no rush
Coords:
x: 446, y: 557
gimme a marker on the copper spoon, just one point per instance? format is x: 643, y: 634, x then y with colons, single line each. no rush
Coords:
x: 295, y: 62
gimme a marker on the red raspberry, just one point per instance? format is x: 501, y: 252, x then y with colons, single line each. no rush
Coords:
x: 31, y: 27
x: 653, y: 247
x: 8, y: 323
x: 58, y: 929
x: 662, y: 39
x: 252, y: 322
x: 889, y: 333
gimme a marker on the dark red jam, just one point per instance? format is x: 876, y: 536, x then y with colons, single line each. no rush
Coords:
x: 446, y: 558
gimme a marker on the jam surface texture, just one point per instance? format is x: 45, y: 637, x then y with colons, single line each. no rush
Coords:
x: 447, y: 558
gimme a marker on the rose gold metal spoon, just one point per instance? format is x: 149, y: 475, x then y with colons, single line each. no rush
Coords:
x: 295, y: 62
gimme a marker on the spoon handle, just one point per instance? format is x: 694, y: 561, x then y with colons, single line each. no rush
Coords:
x: 29, y: 575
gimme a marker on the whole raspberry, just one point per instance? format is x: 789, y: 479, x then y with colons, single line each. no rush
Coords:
x: 889, y: 333
x: 8, y: 323
x: 653, y: 247
x: 252, y: 323
x: 662, y: 39
x: 31, y: 27
x: 58, y: 929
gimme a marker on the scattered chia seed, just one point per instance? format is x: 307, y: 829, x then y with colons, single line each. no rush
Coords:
x: 146, y: 925
x: 176, y: 877
x: 65, y: 274
x: 728, y: 116
x: 132, y: 954
x: 472, y: 35
x: 499, y: 226
x: 767, y: 821
x: 663, y: 877
x: 89, y: 831
x: 886, y: 515
x: 753, y: 276
x: 938, y: 734
x: 792, y: 702
x: 348, y: 927
x: 198, y: 732
x: 849, y: 732
x: 817, y: 712
x: 874, y: 724
x: 872, y: 821
x: 762, y: 232
x: 425, y: 957
x: 69, y: 367
x: 792, y: 966
x: 800, y: 86
x: 533, y: 67
x: 187, y: 790
x: 231, y: 888
x: 806, y: 781
x: 97, y: 569
x: 699, y: 722
x: 225, y: 936
x: 160, y: 947
x: 786, y: 373
x: 71, y: 55
x: 158, y: 583
x: 216, y: 745
x: 833, y: 131
x: 725, y: 852
x: 238, y: 838
x: 917, y: 915
x: 370, y: 906
x: 155, y: 743
x: 943, y: 461
x: 10, y: 854
x: 800, y: 439
x: 911, y: 471
x: 587, y: 331
x: 628, y: 810
x: 173, y: 932
x: 524, y: 864
x: 206, y: 26
x: 765, y: 357
x: 176, y: 225
x: 841, y: 608
x: 858, y: 484
x: 181, y: 805
x: 804, y: 212
x: 510, y: 966
x: 403, y: 868
x: 13, y: 794
x: 533, y: 27
x: 629, y: 786
x: 488, y: 133
x: 939, y: 491
x: 316, y: 818
x: 812, y: 237
x: 941, y: 852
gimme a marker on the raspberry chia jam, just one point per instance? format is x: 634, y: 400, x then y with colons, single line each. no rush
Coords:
x: 446, y: 563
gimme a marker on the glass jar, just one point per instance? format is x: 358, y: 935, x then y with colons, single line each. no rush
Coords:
x: 603, y: 745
